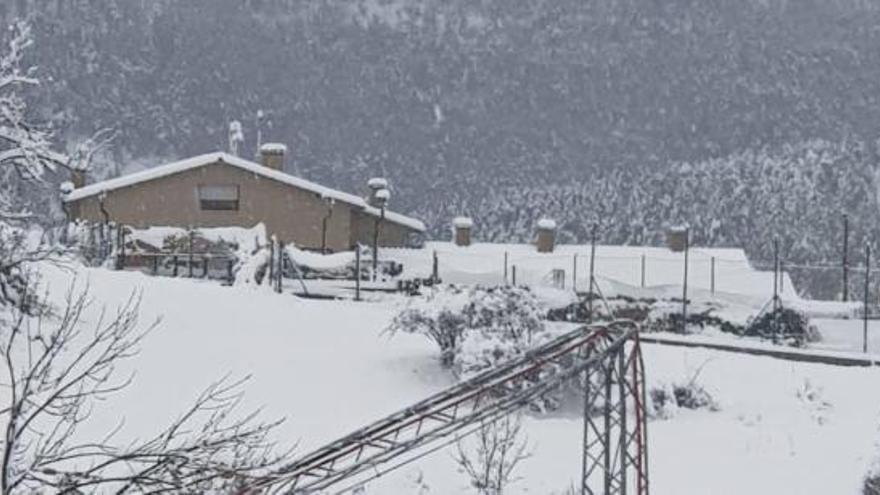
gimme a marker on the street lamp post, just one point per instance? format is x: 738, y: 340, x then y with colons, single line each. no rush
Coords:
x: 381, y: 197
x: 329, y: 213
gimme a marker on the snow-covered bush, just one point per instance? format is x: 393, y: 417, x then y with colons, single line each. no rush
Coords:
x: 478, y: 328
x: 872, y: 479
x: 785, y: 325
x: 621, y: 307
x: 668, y: 399
x: 872, y: 484
x: 475, y: 328
x: 665, y: 316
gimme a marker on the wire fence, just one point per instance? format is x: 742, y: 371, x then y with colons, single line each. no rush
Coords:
x: 109, y: 244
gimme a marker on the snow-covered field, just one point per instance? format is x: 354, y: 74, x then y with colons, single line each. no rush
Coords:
x: 782, y: 427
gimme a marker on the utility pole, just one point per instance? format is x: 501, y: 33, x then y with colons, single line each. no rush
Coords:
x: 845, y: 262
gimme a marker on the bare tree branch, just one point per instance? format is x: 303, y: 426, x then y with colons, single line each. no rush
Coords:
x: 57, y: 367
x: 499, y: 449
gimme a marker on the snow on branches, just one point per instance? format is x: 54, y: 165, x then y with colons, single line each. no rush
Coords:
x: 474, y: 327
x: 24, y: 146
x: 479, y: 328
x: 57, y: 367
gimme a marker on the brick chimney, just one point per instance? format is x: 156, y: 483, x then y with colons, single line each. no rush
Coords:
x: 676, y: 238
x: 461, y: 228
x: 272, y: 155
x: 546, y: 241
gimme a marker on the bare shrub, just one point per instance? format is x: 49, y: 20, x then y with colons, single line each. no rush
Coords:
x: 497, y: 451
x: 56, y: 369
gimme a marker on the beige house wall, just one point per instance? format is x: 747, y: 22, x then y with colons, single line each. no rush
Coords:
x: 293, y: 214
x: 390, y: 234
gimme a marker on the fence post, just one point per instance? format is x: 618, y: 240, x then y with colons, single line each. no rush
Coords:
x: 867, y: 280
x: 845, y: 262
x: 189, y: 263
x: 684, y: 290
x: 643, y: 270
x: 505, y: 267
x: 205, y: 266
x: 592, y: 271
x: 174, y: 259
x: 102, y: 241
x: 279, y: 272
x: 120, y: 235
x: 775, y: 289
x: 271, y: 259
x: 435, y: 268
x: 229, y: 271
x: 712, y: 276
x: 156, y: 264
x: 781, y: 277
x: 574, y: 273
x: 513, y: 272
x: 357, y: 272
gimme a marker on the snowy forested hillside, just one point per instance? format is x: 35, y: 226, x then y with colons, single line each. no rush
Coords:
x: 504, y: 109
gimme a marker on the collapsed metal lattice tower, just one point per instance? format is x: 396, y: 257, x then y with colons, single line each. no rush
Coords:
x: 607, y: 361
x: 615, y: 457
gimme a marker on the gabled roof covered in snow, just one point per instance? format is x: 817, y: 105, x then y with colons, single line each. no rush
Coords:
x: 225, y: 158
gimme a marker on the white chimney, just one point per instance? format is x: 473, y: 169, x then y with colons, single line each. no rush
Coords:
x: 376, y: 196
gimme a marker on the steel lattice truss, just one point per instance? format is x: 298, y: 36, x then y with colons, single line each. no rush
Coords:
x: 615, y: 457
x: 615, y: 444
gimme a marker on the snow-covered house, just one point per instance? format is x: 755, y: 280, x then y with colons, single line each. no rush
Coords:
x: 221, y: 190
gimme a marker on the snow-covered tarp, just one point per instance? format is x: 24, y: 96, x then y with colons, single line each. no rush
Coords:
x: 620, y: 270
x: 321, y: 262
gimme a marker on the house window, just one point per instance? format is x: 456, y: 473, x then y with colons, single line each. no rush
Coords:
x: 218, y: 197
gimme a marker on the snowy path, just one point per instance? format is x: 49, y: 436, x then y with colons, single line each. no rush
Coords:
x: 783, y: 427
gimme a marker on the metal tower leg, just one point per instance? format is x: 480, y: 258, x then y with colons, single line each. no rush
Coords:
x: 615, y: 442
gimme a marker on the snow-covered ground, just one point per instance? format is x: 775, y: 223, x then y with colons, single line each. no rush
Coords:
x: 847, y: 335
x: 783, y: 427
